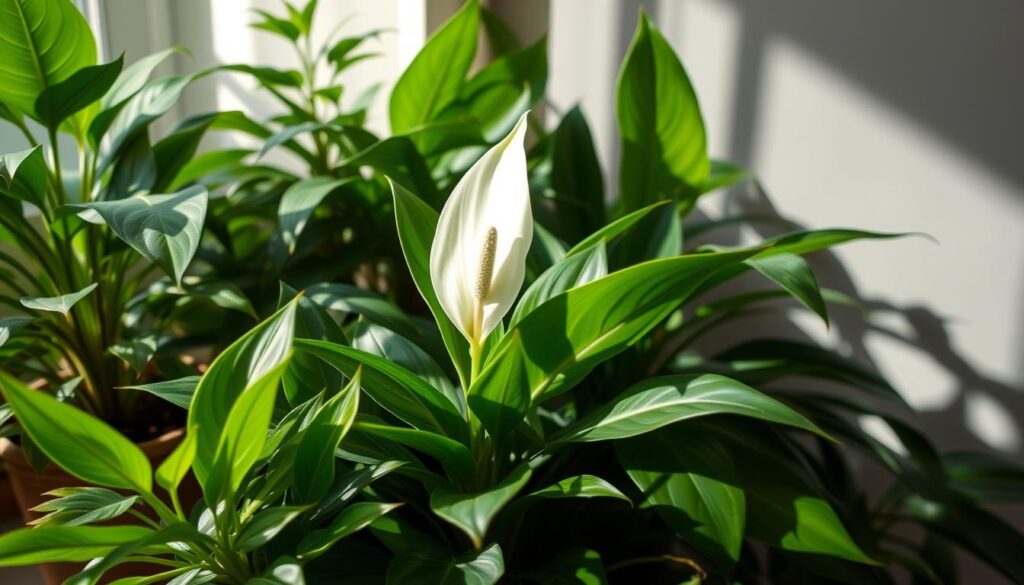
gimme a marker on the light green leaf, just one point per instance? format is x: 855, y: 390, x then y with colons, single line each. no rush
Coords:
x: 123, y: 123
x: 163, y: 228
x: 176, y: 466
x: 177, y: 532
x: 570, y: 272
x: 236, y: 370
x: 425, y: 567
x: 80, y: 506
x: 178, y: 391
x: 554, y: 347
x: 82, y: 444
x: 46, y: 544
x: 43, y: 43
x: 617, y: 227
x: 472, y: 513
x: 580, y: 486
x: 793, y: 274
x: 314, y: 457
x: 437, y: 72
x: 135, y: 77
x: 687, y: 477
x: 664, y: 148
x: 61, y: 304
x: 657, y: 402
x: 349, y: 521
x: 299, y: 201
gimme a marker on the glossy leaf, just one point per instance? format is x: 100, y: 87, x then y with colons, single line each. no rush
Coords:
x: 657, y: 402
x: 795, y: 276
x: 433, y: 78
x: 82, y: 444
x: 43, y: 43
x: 80, y: 506
x: 237, y: 369
x: 562, y: 340
x: 664, y: 147
x: 570, y: 272
x: 314, y: 457
x: 84, y: 87
x: 419, y: 567
x: 173, y: 470
x: 61, y: 304
x: 618, y: 227
x: 472, y: 513
x: 396, y: 389
x: 163, y: 228
x: 178, y: 391
x: 265, y: 525
x: 349, y: 521
x: 349, y: 485
x: 24, y: 176
x: 45, y: 544
x: 136, y: 352
x: 455, y: 457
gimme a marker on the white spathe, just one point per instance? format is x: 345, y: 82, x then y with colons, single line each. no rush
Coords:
x: 494, y: 193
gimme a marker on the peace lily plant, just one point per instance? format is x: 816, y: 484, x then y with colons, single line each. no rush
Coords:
x: 548, y: 413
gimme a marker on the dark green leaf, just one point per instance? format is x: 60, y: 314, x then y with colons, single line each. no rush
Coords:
x: 576, y: 178
x: 265, y: 525
x: 350, y: 520
x: 419, y: 567
x: 793, y: 274
x: 314, y: 457
x: 84, y: 87
x: 472, y: 513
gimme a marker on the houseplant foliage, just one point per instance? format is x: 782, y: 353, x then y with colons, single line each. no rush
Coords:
x: 554, y: 420
x: 89, y: 217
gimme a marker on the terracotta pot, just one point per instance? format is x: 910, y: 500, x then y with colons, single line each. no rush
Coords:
x: 29, y: 488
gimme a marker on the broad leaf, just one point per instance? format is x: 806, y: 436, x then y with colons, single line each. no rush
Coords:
x: 61, y: 304
x: 232, y: 374
x: 562, y: 340
x: 80, y: 506
x: 473, y: 512
x: 349, y: 485
x: 265, y: 525
x: 163, y: 228
x: 178, y: 391
x: 24, y: 176
x: 433, y: 78
x: 664, y: 148
x: 46, y: 544
x: 84, y: 87
x: 568, y: 273
x: 136, y: 352
x: 657, y: 402
x: 793, y: 274
x: 83, y: 445
x: 455, y: 457
x: 174, y: 469
x: 576, y: 178
x: 298, y: 203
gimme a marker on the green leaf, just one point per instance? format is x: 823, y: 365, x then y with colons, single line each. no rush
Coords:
x: 657, y: 402
x: 84, y: 87
x: 80, y: 506
x: 135, y: 77
x: 724, y: 174
x: 46, y: 544
x: 126, y: 121
x: 985, y: 477
x: 136, y: 352
x: 314, y: 457
x: 419, y: 567
x: 83, y: 445
x: 349, y: 485
x: 383, y: 342
x: 24, y: 176
x: 567, y: 273
x: 688, y: 479
x: 348, y: 298
x: 308, y: 375
x: 163, y: 228
x: 580, y: 486
x: 664, y: 148
x: 417, y: 223
x: 178, y: 532
x: 576, y: 178
x: 398, y: 159
x: 265, y: 525
x: 437, y: 72
x: 472, y: 513
x: 223, y: 293
x: 243, y: 435
x: 793, y: 274
x: 455, y: 457
x: 298, y: 203
x: 349, y: 521
x: 562, y: 340
x: 178, y: 391
x: 618, y: 227
x: 43, y: 43
x: 236, y: 370
x: 396, y: 389
x: 61, y: 304
x: 174, y: 469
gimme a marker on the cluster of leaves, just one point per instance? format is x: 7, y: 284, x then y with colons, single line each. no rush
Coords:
x: 345, y: 439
